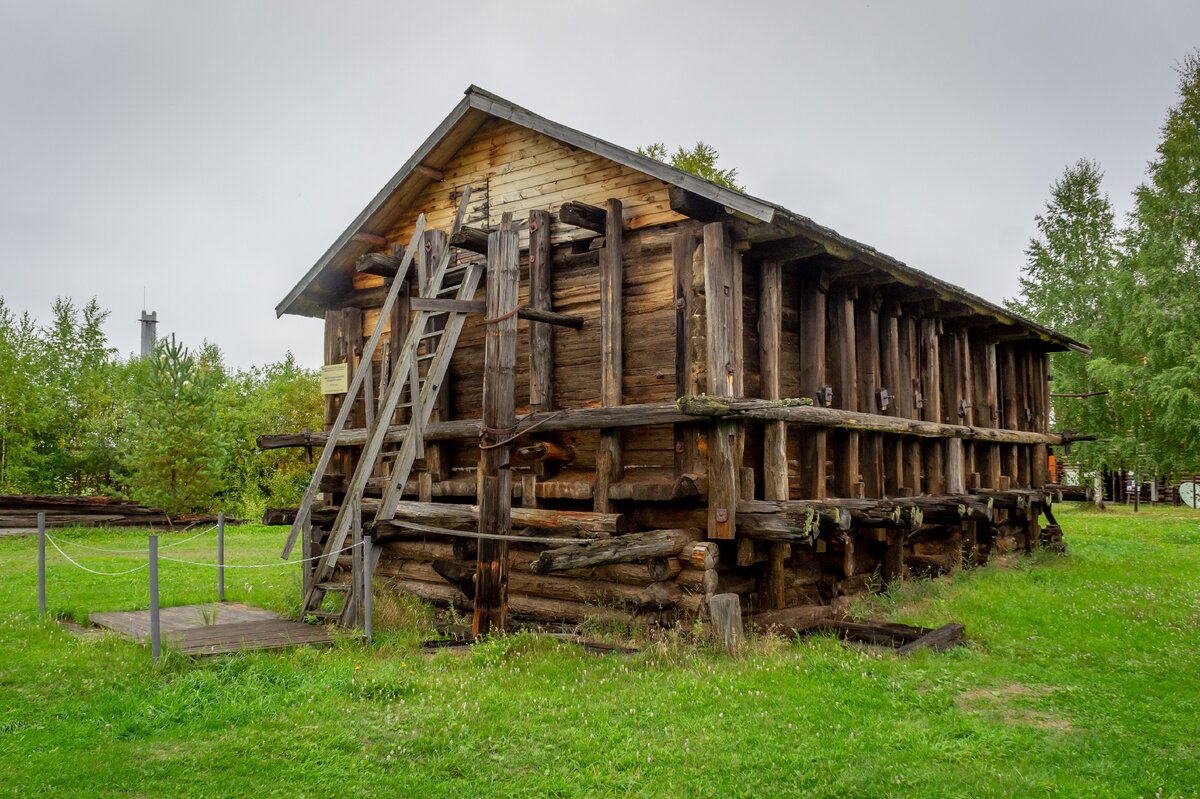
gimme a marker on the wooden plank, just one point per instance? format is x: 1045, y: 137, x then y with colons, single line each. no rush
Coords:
x: 719, y: 301
x: 609, y: 465
x: 812, y: 443
x: 437, y: 455
x: 499, y: 418
x: 541, y: 335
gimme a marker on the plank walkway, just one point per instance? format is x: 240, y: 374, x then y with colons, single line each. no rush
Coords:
x: 237, y: 628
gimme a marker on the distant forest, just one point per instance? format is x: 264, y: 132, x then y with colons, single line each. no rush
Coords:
x: 176, y: 430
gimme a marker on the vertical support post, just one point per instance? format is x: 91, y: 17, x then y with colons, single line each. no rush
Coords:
x: 775, y: 465
x: 499, y: 416
x: 221, y: 556
x: 688, y: 459
x: 726, y: 613
x: 988, y: 413
x: 889, y: 373
x: 931, y: 411
x: 906, y: 404
x: 41, y: 564
x: 368, y: 560
x: 866, y: 337
x: 609, y: 465
x: 843, y: 358
x: 306, y: 554
x: 1010, y: 410
x: 155, y: 632
x: 719, y: 301
x: 812, y: 440
x: 541, y: 335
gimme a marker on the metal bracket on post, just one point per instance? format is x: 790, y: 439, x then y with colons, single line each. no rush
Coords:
x: 155, y: 642
x: 221, y: 557
x: 41, y: 564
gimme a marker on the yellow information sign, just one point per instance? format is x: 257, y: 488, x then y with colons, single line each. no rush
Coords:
x: 335, y: 378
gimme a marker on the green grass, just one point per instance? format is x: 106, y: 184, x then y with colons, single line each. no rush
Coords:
x: 1082, y: 679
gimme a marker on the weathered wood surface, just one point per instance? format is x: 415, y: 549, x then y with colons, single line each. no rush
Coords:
x: 499, y: 417
x: 722, y: 367
x: 725, y: 610
x: 609, y: 461
x: 214, y: 628
x: 616, y: 549
x: 799, y: 412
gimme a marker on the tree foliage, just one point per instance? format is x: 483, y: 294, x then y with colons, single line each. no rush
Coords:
x: 1131, y: 294
x: 701, y: 160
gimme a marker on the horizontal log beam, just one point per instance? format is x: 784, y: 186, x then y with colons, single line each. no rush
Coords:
x: 588, y: 217
x: 379, y: 263
x: 470, y: 239
x: 617, y: 549
x: 802, y: 411
x: 439, y: 304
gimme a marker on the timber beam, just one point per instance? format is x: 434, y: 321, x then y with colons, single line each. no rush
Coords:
x: 802, y: 411
x: 588, y: 217
x: 438, y: 304
x: 688, y: 410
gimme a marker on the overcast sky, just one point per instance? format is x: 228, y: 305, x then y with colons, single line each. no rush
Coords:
x: 208, y: 153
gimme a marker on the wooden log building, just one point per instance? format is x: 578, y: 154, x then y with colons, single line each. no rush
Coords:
x: 580, y: 383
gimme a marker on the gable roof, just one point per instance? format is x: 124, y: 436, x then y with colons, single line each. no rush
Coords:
x: 478, y: 106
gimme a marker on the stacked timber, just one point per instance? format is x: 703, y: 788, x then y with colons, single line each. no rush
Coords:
x: 21, y: 511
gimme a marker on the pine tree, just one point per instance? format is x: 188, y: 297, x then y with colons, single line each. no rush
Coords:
x: 1066, y: 285
x: 701, y: 160
x: 1158, y: 356
x: 175, y: 446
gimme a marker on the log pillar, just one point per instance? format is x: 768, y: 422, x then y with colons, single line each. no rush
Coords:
x: 499, y: 416
x: 775, y: 465
x: 812, y: 440
x: 931, y: 404
x: 891, y: 382
x: 843, y: 362
x: 689, y: 332
x: 609, y: 466
x: 721, y: 299
x: 867, y: 343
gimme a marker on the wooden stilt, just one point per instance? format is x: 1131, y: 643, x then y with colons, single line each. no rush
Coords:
x: 499, y: 417
x: 609, y: 464
x: 812, y: 442
x: 775, y: 467
x: 843, y: 360
x: 719, y: 300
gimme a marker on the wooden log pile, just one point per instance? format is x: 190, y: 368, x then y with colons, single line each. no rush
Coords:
x: 21, y: 510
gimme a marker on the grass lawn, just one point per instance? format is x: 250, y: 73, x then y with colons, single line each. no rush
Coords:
x: 1082, y: 678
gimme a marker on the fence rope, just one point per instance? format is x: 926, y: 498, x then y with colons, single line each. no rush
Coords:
x: 274, y: 565
x: 79, y: 565
x: 139, y: 551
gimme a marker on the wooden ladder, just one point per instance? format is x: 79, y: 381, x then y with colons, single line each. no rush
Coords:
x: 421, y: 366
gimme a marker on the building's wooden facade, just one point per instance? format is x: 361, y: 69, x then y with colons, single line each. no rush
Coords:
x: 752, y: 403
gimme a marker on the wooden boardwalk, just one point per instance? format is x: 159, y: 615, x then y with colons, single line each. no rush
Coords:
x: 215, y: 628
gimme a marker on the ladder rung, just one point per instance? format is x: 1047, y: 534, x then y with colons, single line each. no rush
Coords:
x: 334, y: 586
x: 325, y: 614
x: 427, y: 356
x: 448, y: 289
x: 434, y: 334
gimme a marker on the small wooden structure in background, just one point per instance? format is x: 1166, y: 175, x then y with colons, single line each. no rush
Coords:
x: 681, y: 390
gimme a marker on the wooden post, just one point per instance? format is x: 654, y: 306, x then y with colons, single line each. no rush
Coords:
x: 688, y: 459
x: 368, y: 558
x: 843, y: 359
x: 987, y: 412
x: 609, y: 464
x: 931, y: 410
x: 499, y: 417
x: 775, y: 466
x: 726, y: 613
x: 812, y: 441
x: 866, y: 338
x: 906, y: 402
x: 890, y: 381
x: 722, y: 368
x: 541, y: 335
x: 1009, y: 410
x: 221, y: 557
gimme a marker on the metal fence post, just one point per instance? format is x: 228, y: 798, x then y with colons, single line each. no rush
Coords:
x: 221, y: 557
x: 41, y: 565
x: 366, y: 588
x: 155, y: 643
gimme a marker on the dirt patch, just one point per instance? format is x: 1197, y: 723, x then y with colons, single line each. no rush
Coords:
x: 1005, y: 702
x: 79, y: 631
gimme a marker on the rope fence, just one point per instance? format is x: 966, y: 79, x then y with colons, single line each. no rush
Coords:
x: 151, y: 553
